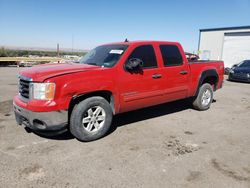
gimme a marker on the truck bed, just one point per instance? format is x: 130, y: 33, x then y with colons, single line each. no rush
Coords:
x: 197, y: 67
x: 204, y: 61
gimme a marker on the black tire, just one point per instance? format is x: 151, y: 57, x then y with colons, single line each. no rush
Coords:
x: 76, y: 126
x: 197, y: 103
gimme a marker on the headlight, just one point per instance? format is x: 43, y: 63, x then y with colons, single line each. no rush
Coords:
x: 43, y: 91
x: 248, y: 75
x: 231, y: 71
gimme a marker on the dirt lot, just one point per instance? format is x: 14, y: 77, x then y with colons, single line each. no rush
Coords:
x: 170, y: 145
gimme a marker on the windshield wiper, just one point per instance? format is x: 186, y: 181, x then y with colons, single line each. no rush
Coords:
x: 92, y: 64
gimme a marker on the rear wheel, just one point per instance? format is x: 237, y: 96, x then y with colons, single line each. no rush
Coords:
x: 204, y: 98
x: 91, y: 119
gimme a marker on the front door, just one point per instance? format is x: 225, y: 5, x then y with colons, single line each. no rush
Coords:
x: 141, y: 88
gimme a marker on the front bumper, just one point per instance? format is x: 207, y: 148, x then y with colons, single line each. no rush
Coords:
x: 41, y: 121
x: 239, y: 77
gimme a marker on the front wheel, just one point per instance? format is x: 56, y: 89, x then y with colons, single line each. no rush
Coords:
x: 204, y: 97
x: 91, y: 119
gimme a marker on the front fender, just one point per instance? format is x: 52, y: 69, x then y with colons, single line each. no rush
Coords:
x: 70, y: 86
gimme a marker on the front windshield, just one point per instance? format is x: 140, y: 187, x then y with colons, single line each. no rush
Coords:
x: 244, y: 64
x: 104, y: 56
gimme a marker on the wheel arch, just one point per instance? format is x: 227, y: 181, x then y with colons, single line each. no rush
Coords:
x: 208, y: 76
x: 107, y: 95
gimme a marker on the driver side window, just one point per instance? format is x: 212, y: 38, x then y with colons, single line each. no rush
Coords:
x: 146, y: 54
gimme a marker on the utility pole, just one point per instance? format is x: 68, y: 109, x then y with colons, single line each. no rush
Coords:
x: 72, y: 43
x: 58, y: 51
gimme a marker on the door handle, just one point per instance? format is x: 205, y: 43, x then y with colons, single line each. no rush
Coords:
x: 184, y: 72
x: 156, y: 76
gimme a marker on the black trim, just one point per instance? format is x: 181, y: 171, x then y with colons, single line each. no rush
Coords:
x: 225, y: 28
x: 247, y: 33
x: 204, y: 75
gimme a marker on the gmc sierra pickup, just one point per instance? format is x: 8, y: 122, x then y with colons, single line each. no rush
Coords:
x: 111, y: 79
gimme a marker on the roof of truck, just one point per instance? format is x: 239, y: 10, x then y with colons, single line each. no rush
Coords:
x: 143, y: 42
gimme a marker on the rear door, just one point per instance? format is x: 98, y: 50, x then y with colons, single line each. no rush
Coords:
x: 175, y: 72
x: 143, y: 88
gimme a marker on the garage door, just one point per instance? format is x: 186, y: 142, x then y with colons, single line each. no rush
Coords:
x: 236, y: 48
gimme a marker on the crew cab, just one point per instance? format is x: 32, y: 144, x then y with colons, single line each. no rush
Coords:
x: 111, y: 79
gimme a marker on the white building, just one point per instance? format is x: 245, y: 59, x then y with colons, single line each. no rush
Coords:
x: 231, y: 44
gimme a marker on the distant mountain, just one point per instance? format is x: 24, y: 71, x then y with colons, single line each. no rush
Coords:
x: 42, y: 49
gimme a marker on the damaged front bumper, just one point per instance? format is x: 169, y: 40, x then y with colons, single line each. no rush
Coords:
x: 41, y: 121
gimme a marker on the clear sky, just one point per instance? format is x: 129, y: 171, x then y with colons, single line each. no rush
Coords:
x: 44, y: 23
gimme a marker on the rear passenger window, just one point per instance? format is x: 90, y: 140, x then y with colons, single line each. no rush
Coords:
x: 171, y: 55
x: 146, y: 54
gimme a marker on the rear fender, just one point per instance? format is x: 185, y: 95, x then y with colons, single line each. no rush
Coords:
x: 208, y: 74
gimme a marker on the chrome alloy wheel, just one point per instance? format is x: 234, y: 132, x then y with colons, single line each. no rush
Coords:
x: 94, y: 119
x: 206, y: 97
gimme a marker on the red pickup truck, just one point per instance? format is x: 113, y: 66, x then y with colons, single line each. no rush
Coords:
x: 111, y: 79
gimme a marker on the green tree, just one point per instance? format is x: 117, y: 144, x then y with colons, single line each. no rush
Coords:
x: 3, y: 52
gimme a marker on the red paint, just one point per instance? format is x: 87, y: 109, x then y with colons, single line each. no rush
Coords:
x: 130, y: 91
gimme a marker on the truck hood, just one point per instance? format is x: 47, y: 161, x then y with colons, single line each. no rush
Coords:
x: 40, y: 73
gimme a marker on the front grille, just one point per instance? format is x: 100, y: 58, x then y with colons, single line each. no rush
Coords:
x: 24, y: 84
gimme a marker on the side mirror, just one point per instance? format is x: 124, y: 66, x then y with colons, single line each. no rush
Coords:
x: 134, y: 64
x: 235, y: 65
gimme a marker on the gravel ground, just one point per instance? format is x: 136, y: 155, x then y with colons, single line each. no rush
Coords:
x: 169, y: 145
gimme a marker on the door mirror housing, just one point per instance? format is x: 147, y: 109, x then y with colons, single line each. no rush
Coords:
x: 134, y: 64
x: 235, y: 65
